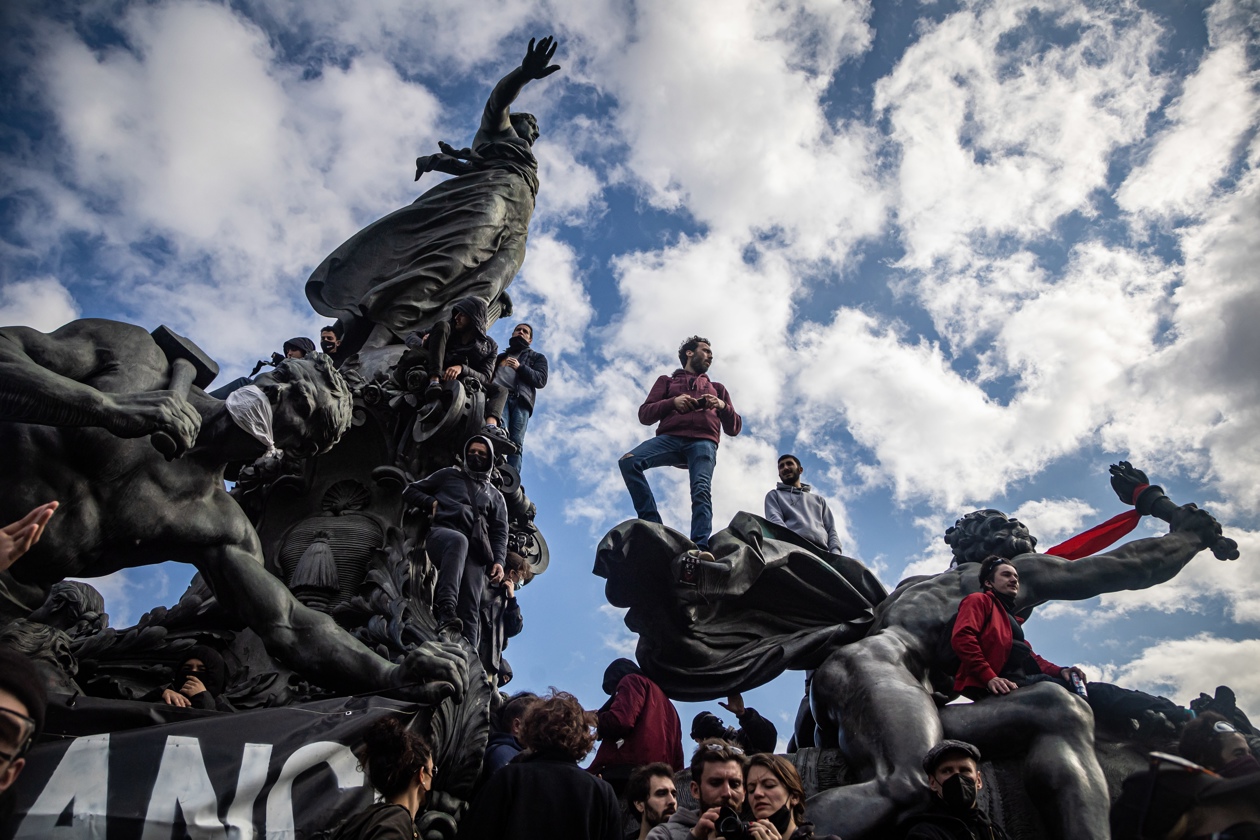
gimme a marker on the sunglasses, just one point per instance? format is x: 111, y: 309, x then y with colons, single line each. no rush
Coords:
x: 1223, y: 727
x: 15, y: 729
x: 723, y: 748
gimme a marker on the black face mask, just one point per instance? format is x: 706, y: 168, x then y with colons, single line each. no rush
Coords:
x: 517, y: 343
x: 1244, y: 766
x: 477, y: 462
x: 183, y: 675
x: 959, y: 792
x: 780, y: 819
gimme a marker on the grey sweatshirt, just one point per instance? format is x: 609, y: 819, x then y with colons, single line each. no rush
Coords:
x: 800, y: 510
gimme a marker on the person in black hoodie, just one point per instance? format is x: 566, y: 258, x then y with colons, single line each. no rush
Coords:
x: 455, y: 348
x: 469, y: 532
x: 199, y: 682
x: 399, y: 764
x: 518, y: 375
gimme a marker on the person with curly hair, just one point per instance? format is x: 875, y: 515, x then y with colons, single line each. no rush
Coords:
x: 543, y: 793
x: 399, y: 765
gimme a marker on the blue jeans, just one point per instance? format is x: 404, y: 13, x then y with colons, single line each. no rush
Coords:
x: 516, y: 422
x: 697, y: 455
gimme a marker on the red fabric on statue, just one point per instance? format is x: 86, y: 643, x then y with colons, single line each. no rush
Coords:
x: 1100, y: 536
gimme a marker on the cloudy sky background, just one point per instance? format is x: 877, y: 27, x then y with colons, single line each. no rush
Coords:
x: 953, y: 254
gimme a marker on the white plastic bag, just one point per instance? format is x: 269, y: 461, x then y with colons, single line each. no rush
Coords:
x: 249, y: 409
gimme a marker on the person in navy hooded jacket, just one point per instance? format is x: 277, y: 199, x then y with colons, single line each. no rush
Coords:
x: 692, y: 412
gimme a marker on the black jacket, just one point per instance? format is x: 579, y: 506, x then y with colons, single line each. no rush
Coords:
x: 941, y: 823
x: 543, y: 796
x: 530, y: 376
x: 465, y: 504
x: 500, y: 620
x: 382, y: 821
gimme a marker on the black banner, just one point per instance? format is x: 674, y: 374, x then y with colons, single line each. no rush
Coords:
x: 273, y: 773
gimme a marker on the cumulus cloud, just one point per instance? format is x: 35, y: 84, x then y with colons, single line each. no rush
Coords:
x: 1182, y: 668
x: 42, y: 303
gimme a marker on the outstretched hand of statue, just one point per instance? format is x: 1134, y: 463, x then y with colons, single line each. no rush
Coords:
x: 1204, y: 525
x: 141, y: 414
x: 536, y: 63
x: 433, y: 672
x: 1125, y: 480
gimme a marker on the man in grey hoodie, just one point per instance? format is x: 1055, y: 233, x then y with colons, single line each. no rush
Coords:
x: 794, y: 506
x: 469, y: 533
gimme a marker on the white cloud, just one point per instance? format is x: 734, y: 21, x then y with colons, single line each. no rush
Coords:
x: 1182, y: 668
x: 1051, y: 520
x: 41, y: 303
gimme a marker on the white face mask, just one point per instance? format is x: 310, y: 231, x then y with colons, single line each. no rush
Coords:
x: 250, y: 409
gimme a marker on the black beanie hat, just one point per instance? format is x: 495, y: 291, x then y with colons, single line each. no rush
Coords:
x: 19, y: 677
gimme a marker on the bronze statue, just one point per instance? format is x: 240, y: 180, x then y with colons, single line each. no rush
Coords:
x: 76, y: 409
x: 464, y: 237
x: 874, y: 697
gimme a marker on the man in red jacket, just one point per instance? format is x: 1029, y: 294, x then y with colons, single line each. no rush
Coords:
x: 692, y: 411
x: 638, y: 725
x: 994, y: 658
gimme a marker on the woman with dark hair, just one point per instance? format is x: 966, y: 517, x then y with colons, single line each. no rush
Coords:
x: 776, y: 799
x: 543, y: 792
x: 399, y: 765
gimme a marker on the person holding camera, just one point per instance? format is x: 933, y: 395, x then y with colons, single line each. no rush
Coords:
x: 692, y: 412
x: 717, y: 783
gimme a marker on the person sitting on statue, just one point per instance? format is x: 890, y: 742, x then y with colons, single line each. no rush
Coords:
x: 651, y: 797
x: 467, y: 537
x: 717, y: 783
x: 995, y: 659
x: 519, y: 373
x: 80, y: 405
x: 796, y: 507
x: 501, y: 617
x: 399, y: 764
x: 199, y: 682
x: 330, y: 342
x: 543, y: 793
x: 692, y: 412
x: 1213, y: 742
x: 638, y: 725
x: 954, y: 813
x: 755, y: 733
x: 456, y: 348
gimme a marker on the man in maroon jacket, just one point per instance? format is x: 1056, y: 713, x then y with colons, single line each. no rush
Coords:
x: 692, y: 411
x: 638, y: 725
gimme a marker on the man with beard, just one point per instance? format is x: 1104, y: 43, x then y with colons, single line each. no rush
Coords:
x: 519, y: 373
x: 692, y: 411
x: 994, y: 658
x: 469, y: 533
x: 717, y: 782
x: 651, y: 797
x: 873, y: 695
x: 796, y: 507
x: 953, y: 771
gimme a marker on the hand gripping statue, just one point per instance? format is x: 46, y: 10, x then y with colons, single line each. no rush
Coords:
x: 77, y: 409
x: 875, y: 696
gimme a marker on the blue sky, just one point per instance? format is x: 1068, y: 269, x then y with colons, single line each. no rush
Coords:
x: 953, y: 255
